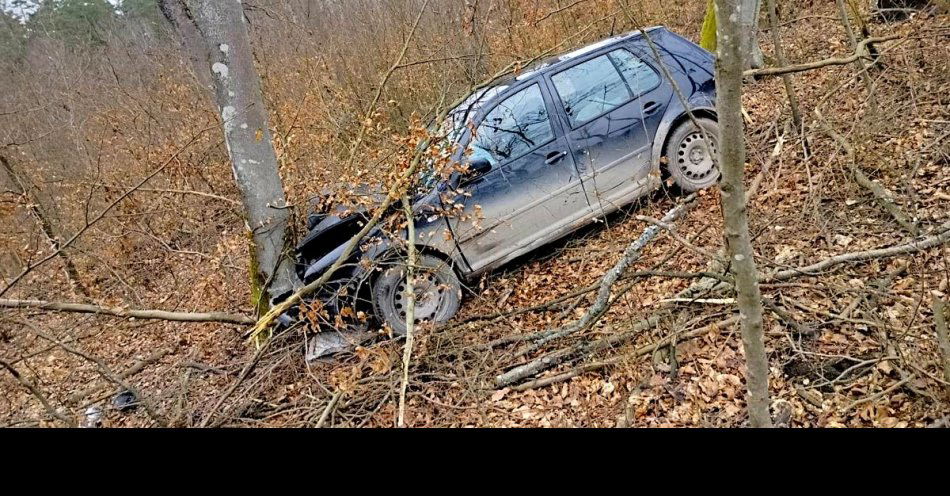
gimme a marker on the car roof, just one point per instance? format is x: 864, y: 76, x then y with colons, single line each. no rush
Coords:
x: 487, y: 95
x: 553, y: 62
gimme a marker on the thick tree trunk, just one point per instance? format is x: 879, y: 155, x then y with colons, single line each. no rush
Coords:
x: 225, y: 54
x: 750, y: 22
x: 729, y: 66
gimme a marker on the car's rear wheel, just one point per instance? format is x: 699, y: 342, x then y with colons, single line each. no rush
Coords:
x: 437, y: 290
x: 691, y: 161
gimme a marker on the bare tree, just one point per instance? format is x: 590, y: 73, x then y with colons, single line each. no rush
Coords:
x: 215, y: 33
x: 735, y: 217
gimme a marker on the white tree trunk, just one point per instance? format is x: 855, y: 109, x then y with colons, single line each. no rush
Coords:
x: 218, y: 31
x: 749, y: 16
x: 729, y: 68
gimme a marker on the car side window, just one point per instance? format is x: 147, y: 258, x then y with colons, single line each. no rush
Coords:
x: 589, y: 89
x: 516, y: 126
x: 639, y: 76
x: 594, y: 87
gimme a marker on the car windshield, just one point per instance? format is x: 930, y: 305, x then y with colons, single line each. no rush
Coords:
x: 448, y: 132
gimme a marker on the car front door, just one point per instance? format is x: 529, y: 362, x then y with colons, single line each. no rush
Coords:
x: 613, y: 103
x: 532, y: 192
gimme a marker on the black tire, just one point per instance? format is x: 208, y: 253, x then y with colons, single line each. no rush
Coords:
x: 689, y: 162
x: 438, y: 292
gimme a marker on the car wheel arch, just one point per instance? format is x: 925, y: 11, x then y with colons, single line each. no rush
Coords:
x: 422, y: 249
x: 666, y: 130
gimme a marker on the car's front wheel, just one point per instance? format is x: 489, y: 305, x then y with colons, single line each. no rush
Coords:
x: 437, y: 290
x: 691, y: 160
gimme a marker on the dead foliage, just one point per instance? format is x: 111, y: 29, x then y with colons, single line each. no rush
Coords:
x: 851, y: 345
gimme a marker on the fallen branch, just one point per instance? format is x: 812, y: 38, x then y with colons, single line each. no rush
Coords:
x: 129, y: 372
x: 601, y: 303
x: 787, y: 317
x: 943, y: 341
x: 880, y: 394
x: 640, y: 274
x: 679, y: 239
x: 859, y: 54
x: 539, y: 365
x: 38, y: 394
x: 882, y: 195
x: 330, y: 406
x: 618, y: 359
x: 227, y: 318
x: 942, y: 236
x: 707, y: 301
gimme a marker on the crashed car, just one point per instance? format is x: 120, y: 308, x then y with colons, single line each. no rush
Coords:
x: 545, y: 152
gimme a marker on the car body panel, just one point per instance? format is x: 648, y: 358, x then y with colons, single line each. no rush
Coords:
x: 524, y: 203
x: 521, y: 200
x: 613, y: 149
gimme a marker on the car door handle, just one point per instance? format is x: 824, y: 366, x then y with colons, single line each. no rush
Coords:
x: 650, y: 107
x: 554, y: 157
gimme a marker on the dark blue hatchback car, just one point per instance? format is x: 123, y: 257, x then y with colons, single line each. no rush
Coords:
x: 549, y: 150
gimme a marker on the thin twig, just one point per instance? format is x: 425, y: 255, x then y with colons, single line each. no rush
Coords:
x: 330, y: 406
x: 39, y: 395
x: 410, y: 309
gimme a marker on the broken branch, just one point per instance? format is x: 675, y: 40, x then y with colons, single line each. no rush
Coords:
x: 630, y: 255
x: 942, y: 236
x: 644, y: 350
x: 859, y: 54
x: 882, y: 195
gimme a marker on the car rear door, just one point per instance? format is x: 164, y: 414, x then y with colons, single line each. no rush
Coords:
x: 532, y: 193
x: 612, y: 104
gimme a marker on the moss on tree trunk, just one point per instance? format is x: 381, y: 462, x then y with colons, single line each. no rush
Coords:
x: 707, y: 37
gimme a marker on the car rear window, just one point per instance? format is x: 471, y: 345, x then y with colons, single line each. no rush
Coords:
x: 592, y: 88
x: 640, y: 77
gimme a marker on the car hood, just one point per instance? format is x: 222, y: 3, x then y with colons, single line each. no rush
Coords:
x: 336, y: 224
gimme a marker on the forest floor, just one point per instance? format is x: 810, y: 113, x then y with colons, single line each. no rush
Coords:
x: 854, y: 346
